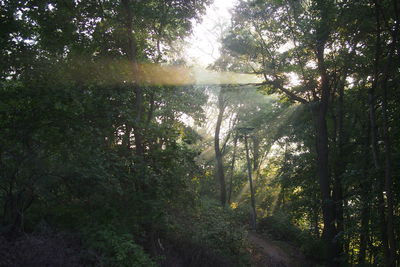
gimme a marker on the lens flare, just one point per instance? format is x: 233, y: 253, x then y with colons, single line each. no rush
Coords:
x: 153, y: 74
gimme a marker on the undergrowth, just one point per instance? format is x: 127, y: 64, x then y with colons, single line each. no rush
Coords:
x: 208, y: 229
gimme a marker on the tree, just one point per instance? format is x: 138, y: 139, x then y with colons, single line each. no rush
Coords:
x: 71, y: 93
x: 321, y: 16
x: 218, y: 154
x: 317, y: 54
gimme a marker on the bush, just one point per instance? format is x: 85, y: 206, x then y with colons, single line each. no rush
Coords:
x: 211, y: 230
x: 216, y: 228
x: 279, y: 227
x: 113, y: 248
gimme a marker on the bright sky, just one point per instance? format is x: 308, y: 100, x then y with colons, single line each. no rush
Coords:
x: 203, y: 45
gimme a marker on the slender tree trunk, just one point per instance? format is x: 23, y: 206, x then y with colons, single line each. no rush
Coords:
x: 375, y: 150
x: 253, y: 200
x: 132, y: 55
x: 365, y: 199
x: 232, y: 167
x: 218, y: 155
x: 138, y: 120
x: 256, y: 153
x: 376, y: 161
x: 340, y: 165
x: 388, y: 179
x: 281, y: 197
x: 388, y: 67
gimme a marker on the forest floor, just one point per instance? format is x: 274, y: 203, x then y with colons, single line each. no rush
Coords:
x: 271, y: 253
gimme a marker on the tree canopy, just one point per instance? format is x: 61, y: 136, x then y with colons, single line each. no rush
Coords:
x: 108, y: 149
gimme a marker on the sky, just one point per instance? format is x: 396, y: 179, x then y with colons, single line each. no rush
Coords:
x: 203, y: 45
x: 200, y: 50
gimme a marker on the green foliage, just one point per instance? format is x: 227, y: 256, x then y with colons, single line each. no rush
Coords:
x: 218, y: 230
x: 279, y: 227
x: 211, y: 227
x: 70, y: 116
x: 115, y: 248
x: 66, y: 110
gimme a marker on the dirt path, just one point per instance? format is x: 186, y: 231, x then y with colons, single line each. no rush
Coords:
x: 270, y: 253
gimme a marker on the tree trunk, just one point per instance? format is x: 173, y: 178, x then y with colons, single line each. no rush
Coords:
x: 388, y: 180
x: 377, y: 165
x: 364, y: 235
x: 232, y: 168
x: 138, y: 120
x: 328, y: 206
x: 340, y: 165
x: 218, y: 155
x: 365, y: 199
x: 132, y: 55
x: 388, y: 68
x: 253, y: 200
x: 382, y: 185
x: 256, y: 153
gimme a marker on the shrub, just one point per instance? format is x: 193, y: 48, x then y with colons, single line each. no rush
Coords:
x: 211, y: 230
x: 279, y: 227
x: 113, y: 248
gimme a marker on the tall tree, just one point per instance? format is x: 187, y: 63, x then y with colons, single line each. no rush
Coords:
x: 320, y: 15
x: 220, y: 174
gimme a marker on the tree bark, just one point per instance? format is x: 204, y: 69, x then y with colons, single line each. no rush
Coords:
x: 388, y: 179
x: 132, y: 56
x: 365, y: 199
x: 340, y: 163
x: 387, y: 142
x: 256, y: 153
x: 386, y: 215
x: 232, y: 167
x: 218, y: 155
x: 253, y: 200
x: 328, y: 205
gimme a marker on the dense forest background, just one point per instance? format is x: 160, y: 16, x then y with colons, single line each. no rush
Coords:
x: 112, y: 155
